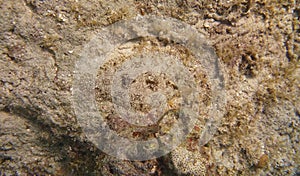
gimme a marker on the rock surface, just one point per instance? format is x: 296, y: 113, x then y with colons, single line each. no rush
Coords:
x: 257, y: 43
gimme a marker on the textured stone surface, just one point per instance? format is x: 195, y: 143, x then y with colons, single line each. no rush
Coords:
x: 257, y: 43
